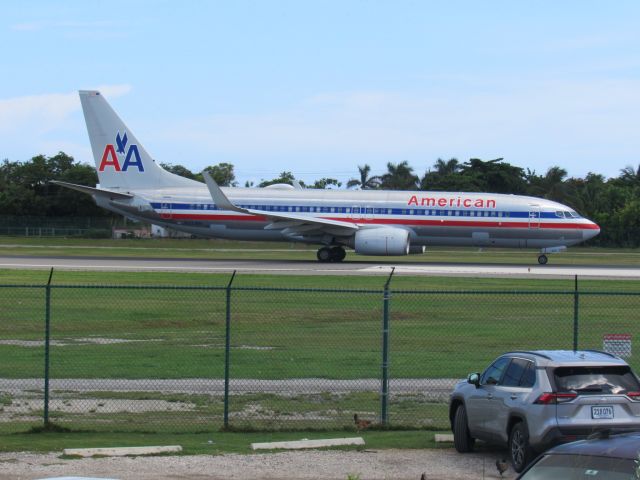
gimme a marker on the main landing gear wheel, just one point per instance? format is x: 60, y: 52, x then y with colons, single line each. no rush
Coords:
x: 331, y: 254
x: 324, y: 255
x: 542, y: 259
x: 338, y: 254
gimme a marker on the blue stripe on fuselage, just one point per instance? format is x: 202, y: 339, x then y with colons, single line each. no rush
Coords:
x: 415, y: 211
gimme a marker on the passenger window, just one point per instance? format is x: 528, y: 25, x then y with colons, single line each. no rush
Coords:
x: 516, y: 372
x: 493, y: 374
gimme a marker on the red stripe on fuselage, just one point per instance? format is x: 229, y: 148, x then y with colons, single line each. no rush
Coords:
x: 232, y: 218
x: 398, y: 221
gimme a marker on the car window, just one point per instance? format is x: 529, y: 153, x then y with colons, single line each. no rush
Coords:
x: 492, y: 375
x: 518, y: 374
x: 579, y: 467
x: 596, y: 380
x: 528, y: 379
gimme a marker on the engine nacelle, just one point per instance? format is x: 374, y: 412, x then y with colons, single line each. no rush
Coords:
x: 417, y: 249
x: 382, y: 241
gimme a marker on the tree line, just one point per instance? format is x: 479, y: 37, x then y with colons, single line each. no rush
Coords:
x: 613, y: 203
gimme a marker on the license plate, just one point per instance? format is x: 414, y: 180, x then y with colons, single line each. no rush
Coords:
x: 600, y: 413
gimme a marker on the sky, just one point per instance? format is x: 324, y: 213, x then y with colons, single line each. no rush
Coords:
x: 318, y: 88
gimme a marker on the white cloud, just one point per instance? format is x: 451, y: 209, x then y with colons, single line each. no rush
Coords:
x: 27, y: 26
x: 35, y: 26
x: 45, y: 123
x: 37, y: 114
x: 535, y: 124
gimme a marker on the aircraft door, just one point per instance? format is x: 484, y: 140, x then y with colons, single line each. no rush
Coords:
x: 165, y: 207
x: 355, y: 212
x: 368, y: 212
x: 534, y: 216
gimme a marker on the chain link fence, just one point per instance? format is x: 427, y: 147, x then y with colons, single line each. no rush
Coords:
x: 187, y: 359
x: 32, y: 226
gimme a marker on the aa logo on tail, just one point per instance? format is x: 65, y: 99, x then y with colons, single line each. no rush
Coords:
x: 131, y: 159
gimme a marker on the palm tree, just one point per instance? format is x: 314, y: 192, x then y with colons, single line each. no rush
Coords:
x: 365, y: 182
x: 444, y: 176
x: 630, y: 175
x: 399, y: 177
x: 448, y: 167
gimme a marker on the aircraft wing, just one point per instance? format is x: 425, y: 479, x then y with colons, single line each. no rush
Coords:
x: 94, y: 191
x: 291, y: 223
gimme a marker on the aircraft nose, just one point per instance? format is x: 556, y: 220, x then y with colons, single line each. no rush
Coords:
x: 591, y: 231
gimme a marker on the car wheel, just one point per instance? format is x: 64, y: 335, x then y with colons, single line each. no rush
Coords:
x: 519, y: 449
x: 462, y: 439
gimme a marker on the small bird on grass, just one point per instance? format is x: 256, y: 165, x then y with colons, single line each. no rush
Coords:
x: 502, y: 466
x: 361, y: 424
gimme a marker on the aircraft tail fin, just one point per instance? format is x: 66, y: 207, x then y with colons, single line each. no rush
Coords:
x: 121, y: 161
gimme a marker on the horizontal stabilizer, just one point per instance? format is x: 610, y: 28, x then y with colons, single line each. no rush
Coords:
x: 93, y: 190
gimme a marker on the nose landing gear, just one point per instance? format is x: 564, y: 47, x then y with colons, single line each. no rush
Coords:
x: 331, y: 254
x: 542, y: 258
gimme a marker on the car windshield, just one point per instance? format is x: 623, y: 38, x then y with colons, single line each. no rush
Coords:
x: 582, y: 467
x: 596, y: 380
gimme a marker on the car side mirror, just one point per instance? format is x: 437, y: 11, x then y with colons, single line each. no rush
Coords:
x: 474, y: 379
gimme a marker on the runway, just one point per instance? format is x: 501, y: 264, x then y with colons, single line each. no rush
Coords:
x: 302, y: 267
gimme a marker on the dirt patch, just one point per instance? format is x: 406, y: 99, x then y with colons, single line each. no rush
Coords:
x: 25, y: 408
x: 253, y: 411
x: 74, y: 342
x: 234, y: 347
x: 67, y: 342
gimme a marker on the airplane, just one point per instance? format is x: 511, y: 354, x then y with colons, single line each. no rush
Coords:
x: 371, y: 222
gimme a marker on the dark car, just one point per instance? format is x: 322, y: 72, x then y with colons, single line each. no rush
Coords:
x: 604, y: 456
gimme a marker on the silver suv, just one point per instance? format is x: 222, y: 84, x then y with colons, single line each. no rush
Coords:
x: 530, y: 401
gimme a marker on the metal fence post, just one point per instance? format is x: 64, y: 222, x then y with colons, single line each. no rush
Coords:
x: 47, y: 339
x: 575, y: 314
x: 384, y: 396
x: 227, y: 350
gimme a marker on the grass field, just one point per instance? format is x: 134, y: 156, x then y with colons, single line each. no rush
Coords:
x: 210, y: 443
x: 106, y: 327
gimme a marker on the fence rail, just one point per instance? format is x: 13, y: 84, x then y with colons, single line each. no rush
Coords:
x: 33, y: 226
x: 158, y: 358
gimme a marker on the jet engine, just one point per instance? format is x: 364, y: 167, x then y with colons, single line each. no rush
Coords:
x: 382, y: 241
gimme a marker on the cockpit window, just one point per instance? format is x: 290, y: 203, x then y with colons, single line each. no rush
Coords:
x: 566, y: 214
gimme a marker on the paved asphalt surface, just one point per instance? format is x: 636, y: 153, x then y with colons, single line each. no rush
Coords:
x: 300, y: 267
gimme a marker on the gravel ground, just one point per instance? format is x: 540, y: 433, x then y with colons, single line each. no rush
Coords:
x: 320, y: 465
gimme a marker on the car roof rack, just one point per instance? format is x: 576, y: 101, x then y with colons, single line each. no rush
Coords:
x: 600, y: 351
x: 531, y: 352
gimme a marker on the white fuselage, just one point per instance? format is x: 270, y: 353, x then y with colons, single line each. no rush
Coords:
x: 432, y: 218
